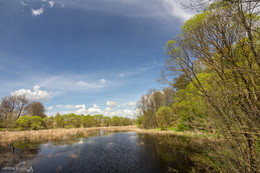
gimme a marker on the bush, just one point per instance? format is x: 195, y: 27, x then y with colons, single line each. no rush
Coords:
x: 49, y: 122
x: 24, y: 122
x: 182, y: 127
x: 37, y: 123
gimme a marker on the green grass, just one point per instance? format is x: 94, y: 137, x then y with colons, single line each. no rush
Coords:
x: 3, y: 129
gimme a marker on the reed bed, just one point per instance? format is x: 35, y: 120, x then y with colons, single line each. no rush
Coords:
x: 54, y: 134
x: 63, y: 134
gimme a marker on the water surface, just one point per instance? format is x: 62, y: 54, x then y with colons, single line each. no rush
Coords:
x: 103, y: 152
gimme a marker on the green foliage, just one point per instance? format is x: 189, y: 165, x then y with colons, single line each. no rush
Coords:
x: 164, y: 116
x: 87, y: 121
x: 139, y: 121
x: 107, y: 121
x: 59, y: 121
x: 182, y: 127
x: 195, y: 22
x: 49, y: 122
x: 37, y: 123
x: 181, y: 82
x: 24, y: 122
x: 72, y: 120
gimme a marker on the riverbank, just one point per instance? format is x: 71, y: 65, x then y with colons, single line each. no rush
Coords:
x: 63, y: 134
x: 55, y: 134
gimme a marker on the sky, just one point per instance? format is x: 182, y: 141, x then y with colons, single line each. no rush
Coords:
x: 86, y: 56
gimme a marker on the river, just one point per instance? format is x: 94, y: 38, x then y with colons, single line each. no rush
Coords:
x: 102, y: 152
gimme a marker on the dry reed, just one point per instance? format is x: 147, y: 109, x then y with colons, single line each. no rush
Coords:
x: 63, y: 134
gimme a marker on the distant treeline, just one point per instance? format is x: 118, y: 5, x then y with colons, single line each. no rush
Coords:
x: 18, y: 112
x: 70, y: 121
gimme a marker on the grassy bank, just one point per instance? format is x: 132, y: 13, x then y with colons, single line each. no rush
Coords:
x: 177, y: 133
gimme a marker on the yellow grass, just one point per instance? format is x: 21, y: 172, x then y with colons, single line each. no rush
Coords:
x: 54, y: 134
x: 63, y: 134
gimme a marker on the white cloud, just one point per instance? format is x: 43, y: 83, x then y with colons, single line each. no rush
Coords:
x: 70, y: 106
x: 37, y: 12
x: 95, y: 110
x: 35, y: 94
x: 121, y: 75
x: 111, y: 103
x: 175, y: 9
x: 162, y: 10
x: 51, y: 3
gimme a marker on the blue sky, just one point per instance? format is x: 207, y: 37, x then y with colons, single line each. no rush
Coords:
x: 85, y: 56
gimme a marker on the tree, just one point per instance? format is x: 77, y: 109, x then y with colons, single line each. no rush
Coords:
x: 72, y: 120
x: 59, y: 121
x: 11, y: 108
x: 37, y: 123
x: 24, y: 122
x: 87, y: 121
x: 181, y: 82
x: 36, y: 109
x: 107, y: 121
x: 49, y: 122
x: 164, y: 117
x: 115, y: 121
x: 98, y: 120
x: 229, y: 52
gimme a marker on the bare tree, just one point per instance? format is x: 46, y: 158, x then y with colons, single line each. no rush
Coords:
x: 36, y: 109
x: 12, y: 107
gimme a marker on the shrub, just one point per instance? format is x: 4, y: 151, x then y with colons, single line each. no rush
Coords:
x: 37, y: 123
x: 24, y: 122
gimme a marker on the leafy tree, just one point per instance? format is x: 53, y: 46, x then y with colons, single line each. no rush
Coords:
x: 87, y: 121
x: 223, y: 41
x: 115, y: 121
x: 168, y: 96
x: 107, y: 121
x: 181, y: 82
x: 72, y: 120
x: 164, y: 117
x: 24, y: 122
x: 98, y: 120
x: 59, y: 121
x: 49, y: 122
x: 37, y: 123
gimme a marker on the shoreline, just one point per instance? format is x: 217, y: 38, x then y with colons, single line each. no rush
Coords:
x: 63, y: 133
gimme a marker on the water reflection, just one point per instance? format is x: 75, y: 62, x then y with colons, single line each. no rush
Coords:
x: 103, y: 152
